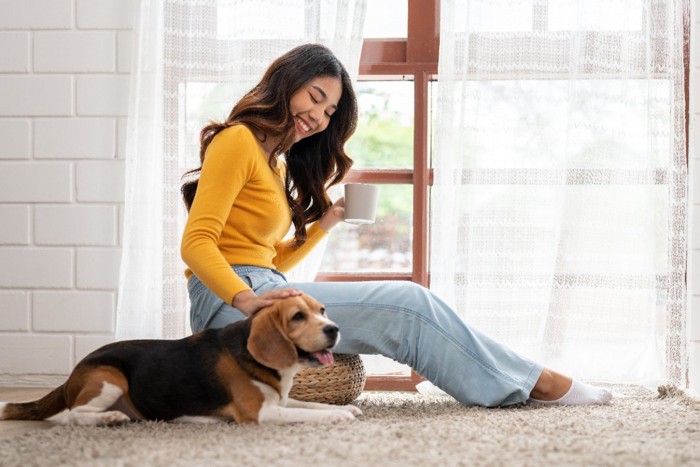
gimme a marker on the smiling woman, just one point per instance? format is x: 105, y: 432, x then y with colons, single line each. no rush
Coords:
x: 314, y: 105
x: 192, y: 60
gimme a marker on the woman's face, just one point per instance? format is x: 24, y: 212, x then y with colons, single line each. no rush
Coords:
x: 314, y: 104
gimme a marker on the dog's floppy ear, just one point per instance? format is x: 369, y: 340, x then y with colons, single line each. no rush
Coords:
x: 268, y: 342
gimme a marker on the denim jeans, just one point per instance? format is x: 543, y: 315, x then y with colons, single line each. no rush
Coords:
x: 400, y: 320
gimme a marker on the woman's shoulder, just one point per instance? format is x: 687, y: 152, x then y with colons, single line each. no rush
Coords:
x: 238, y: 132
x: 237, y: 142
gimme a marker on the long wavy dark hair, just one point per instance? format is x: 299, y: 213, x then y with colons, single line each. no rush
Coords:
x: 313, y: 164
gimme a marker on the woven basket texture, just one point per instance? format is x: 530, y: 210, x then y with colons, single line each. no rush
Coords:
x: 338, y: 383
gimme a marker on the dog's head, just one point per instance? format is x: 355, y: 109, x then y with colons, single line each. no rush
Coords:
x: 292, y: 331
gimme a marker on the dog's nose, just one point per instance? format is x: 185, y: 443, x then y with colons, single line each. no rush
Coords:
x: 331, y: 330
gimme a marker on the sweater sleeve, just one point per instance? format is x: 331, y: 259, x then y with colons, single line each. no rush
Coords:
x: 289, y: 256
x: 228, y: 165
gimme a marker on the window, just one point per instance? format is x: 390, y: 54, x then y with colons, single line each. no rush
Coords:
x: 395, y: 64
x: 391, y: 148
x: 386, y: 19
x: 383, y: 140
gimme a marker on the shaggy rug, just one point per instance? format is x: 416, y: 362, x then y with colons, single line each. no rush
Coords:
x: 640, y: 427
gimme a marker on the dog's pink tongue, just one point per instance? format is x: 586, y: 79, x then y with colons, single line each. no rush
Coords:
x: 323, y: 356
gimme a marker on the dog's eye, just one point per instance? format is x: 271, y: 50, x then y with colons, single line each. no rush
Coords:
x: 323, y: 312
x: 299, y: 316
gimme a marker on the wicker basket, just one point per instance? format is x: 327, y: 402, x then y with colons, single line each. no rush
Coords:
x: 339, y: 383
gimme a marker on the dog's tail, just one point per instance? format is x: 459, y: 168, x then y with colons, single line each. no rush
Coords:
x: 51, y: 404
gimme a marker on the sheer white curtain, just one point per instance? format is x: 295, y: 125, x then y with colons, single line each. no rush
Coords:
x: 559, y: 205
x: 192, y: 60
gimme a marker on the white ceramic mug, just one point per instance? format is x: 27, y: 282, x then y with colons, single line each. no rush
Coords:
x: 360, y: 203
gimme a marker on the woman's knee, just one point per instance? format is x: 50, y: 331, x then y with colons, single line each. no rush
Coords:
x: 424, y: 304
x: 411, y: 294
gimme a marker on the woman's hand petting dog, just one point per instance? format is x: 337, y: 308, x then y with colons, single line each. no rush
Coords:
x: 248, y: 303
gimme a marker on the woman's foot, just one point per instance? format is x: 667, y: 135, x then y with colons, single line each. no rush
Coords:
x: 553, y: 388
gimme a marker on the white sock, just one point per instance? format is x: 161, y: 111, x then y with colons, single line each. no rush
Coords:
x: 580, y: 394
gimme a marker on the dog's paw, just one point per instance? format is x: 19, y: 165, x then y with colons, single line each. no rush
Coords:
x: 336, y: 416
x: 352, y: 409
x: 113, y: 417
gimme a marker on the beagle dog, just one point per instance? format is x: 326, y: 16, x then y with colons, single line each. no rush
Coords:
x: 242, y: 372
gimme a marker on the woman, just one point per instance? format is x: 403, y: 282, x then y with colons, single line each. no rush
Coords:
x: 304, y: 109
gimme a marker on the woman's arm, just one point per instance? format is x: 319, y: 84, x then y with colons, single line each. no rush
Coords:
x: 333, y: 216
x: 227, y: 167
x: 289, y: 255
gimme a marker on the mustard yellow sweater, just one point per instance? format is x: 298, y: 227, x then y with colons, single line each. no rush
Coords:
x: 240, y: 215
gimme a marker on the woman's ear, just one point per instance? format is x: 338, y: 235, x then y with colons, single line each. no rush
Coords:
x: 268, y: 342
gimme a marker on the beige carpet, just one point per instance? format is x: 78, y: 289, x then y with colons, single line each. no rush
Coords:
x: 640, y: 427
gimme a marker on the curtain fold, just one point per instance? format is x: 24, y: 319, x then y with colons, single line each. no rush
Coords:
x: 559, y: 204
x: 193, y: 59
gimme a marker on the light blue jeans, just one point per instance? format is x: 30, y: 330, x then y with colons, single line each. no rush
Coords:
x: 400, y: 320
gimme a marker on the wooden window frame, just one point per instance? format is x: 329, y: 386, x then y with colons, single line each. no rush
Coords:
x: 415, y: 56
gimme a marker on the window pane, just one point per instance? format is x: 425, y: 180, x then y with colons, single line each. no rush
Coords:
x: 243, y: 20
x: 384, y: 135
x: 529, y: 124
x: 494, y: 15
x: 605, y: 228
x: 595, y: 15
x: 385, y: 245
x: 289, y: 19
x: 386, y: 19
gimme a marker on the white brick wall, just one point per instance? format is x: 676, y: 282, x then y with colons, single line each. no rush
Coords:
x: 65, y: 225
x: 35, y: 182
x: 103, y: 94
x: 64, y: 92
x: 98, y: 268
x: 105, y: 14
x: 15, y: 311
x: 74, y: 138
x: 33, y: 267
x: 100, y: 181
x: 35, y: 354
x: 16, y: 224
x: 36, y: 95
x: 14, y: 52
x: 73, y: 311
x: 36, y: 14
x: 15, y: 137
x: 76, y: 52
